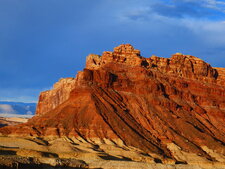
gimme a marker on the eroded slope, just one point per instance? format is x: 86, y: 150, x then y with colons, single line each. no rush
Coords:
x: 170, y: 108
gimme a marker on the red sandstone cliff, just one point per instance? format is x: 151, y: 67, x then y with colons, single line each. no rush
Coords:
x: 141, y: 102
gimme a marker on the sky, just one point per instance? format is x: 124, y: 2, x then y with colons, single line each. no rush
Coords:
x: 42, y: 41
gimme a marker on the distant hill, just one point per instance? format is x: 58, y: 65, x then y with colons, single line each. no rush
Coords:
x: 17, y: 109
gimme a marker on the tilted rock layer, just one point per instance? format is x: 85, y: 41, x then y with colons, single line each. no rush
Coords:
x: 165, y: 107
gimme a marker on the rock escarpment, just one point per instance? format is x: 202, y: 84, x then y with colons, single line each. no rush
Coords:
x: 49, y: 99
x: 170, y: 108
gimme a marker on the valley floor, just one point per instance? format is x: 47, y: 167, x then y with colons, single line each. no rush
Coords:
x: 10, y: 121
x: 67, y: 153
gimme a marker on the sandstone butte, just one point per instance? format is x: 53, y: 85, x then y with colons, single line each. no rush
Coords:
x: 169, y: 108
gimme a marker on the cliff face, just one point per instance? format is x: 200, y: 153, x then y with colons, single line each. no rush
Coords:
x: 178, y: 65
x: 48, y: 100
x: 164, y: 106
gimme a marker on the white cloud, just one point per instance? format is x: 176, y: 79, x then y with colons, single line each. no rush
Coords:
x: 207, y: 30
x: 212, y: 32
x: 212, y: 4
x: 4, y: 108
x: 137, y: 13
x: 29, y: 113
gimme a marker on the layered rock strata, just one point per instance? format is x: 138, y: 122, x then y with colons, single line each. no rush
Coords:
x: 170, y: 108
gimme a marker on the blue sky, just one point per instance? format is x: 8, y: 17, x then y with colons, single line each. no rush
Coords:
x: 44, y: 40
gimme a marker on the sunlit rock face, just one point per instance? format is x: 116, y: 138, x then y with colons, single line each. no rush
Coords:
x: 170, y: 108
x: 49, y: 99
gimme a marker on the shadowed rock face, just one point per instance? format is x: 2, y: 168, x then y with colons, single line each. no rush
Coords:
x: 155, y: 104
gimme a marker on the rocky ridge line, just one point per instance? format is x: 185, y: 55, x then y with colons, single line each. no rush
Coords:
x: 170, y: 108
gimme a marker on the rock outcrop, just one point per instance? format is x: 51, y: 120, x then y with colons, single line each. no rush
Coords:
x: 170, y: 108
x: 49, y: 99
